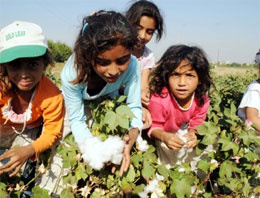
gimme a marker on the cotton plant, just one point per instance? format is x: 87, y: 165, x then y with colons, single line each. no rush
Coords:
x: 153, y: 187
x: 111, y: 119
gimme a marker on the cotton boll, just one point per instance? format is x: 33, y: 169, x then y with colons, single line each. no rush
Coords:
x: 114, y: 147
x: 92, y: 152
x: 141, y: 144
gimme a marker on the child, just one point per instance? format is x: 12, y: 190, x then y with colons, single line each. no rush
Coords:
x: 179, y: 100
x: 100, y: 65
x: 146, y: 18
x: 249, y: 108
x: 31, y: 106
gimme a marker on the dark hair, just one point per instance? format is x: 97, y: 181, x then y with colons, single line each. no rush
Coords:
x: 171, y: 59
x: 146, y: 8
x: 100, y: 32
x: 5, y: 83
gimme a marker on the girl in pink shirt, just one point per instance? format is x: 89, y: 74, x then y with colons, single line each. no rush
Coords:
x: 179, y: 99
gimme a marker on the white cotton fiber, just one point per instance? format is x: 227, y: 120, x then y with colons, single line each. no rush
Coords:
x: 96, y: 153
x: 141, y: 144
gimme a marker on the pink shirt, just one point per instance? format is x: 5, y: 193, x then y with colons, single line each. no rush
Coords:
x: 168, y: 116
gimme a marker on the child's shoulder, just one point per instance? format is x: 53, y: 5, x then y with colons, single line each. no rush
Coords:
x: 254, y: 86
x: 47, y: 87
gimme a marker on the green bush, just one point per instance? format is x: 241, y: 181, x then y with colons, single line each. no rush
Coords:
x: 61, y: 52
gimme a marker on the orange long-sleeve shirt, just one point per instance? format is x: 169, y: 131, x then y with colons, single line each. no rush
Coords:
x: 47, y: 108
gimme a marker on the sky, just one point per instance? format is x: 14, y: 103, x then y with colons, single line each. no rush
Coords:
x: 227, y: 30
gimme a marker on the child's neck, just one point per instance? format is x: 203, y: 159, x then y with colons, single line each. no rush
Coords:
x: 184, y: 103
x: 21, y: 100
x: 138, y: 52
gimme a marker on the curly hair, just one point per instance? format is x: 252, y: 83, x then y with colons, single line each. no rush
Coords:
x: 100, y: 32
x: 146, y: 8
x: 6, y: 85
x: 171, y: 59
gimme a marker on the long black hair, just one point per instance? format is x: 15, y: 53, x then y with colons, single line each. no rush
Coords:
x: 100, y: 32
x: 146, y: 8
x: 171, y: 59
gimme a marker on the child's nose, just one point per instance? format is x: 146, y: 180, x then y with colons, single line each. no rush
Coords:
x: 113, y: 69
x: 141, y: 34
x: 182, y: 80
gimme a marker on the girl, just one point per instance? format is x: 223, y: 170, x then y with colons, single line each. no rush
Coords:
x: 249, y: 108
x: 100, y: 65
x: 25, y: 103
x: 146, y: 18
x: 179, y: 100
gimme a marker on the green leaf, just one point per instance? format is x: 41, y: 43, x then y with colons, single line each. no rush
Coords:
x: 110, y: 119
x: 40, y: 193
x: 3, y: 194
x: 125, y: 110
x: 123, y: 121
x: 125, y: 185
x: 136, y: 160
x: 209, y: 139
x: 226, y: 169
x: 121, y: 98
x: 162, y: 170
x: 80, y: 172
x: 2, y: 186
x: 130, y: 176
x: 181, y: 188
x: 138, y: 189
x: 95, y: 195
x: 66, y: 193
x: 204, y: 165
x: 228, y: 145
x: 148, y: 170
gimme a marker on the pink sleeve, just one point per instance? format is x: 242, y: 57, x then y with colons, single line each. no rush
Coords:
x: 200, y: 115
x: 158, y: 114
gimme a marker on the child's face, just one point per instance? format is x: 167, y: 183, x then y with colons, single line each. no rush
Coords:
x: 183, y: 83
x: 25, y: 73
x: 111, y: 64
x: 146, y: 29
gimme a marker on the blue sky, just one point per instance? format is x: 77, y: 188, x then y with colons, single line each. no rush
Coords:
x: 227, y: 30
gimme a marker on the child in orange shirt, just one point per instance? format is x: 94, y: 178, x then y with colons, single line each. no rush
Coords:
x: 31, y: 106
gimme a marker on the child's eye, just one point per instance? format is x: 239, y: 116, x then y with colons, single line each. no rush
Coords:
x: 190, y: 75
x: 123, y: 60
x: 175, y: 74
x: 150, y: 32
x: 102, y: 62
x: 33, y: 64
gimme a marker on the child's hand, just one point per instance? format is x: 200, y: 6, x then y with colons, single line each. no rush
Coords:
x: 191, y: 139
x: 173, y: 141
x: 18, y: 157
x: 147, y: 119
x: 145, y: 97
x: 129, y: 142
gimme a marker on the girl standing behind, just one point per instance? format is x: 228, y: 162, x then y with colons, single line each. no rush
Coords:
x: 100, y: 65
x: 146, y: 18
x: 179, y: 100
x: 249, y: 108
x: 31, y: 106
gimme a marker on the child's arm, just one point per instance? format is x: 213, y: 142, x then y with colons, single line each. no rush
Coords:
x: 252, y: 115
x: 18, y: 156
x: 169, y: 138
x: 145, y: 93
